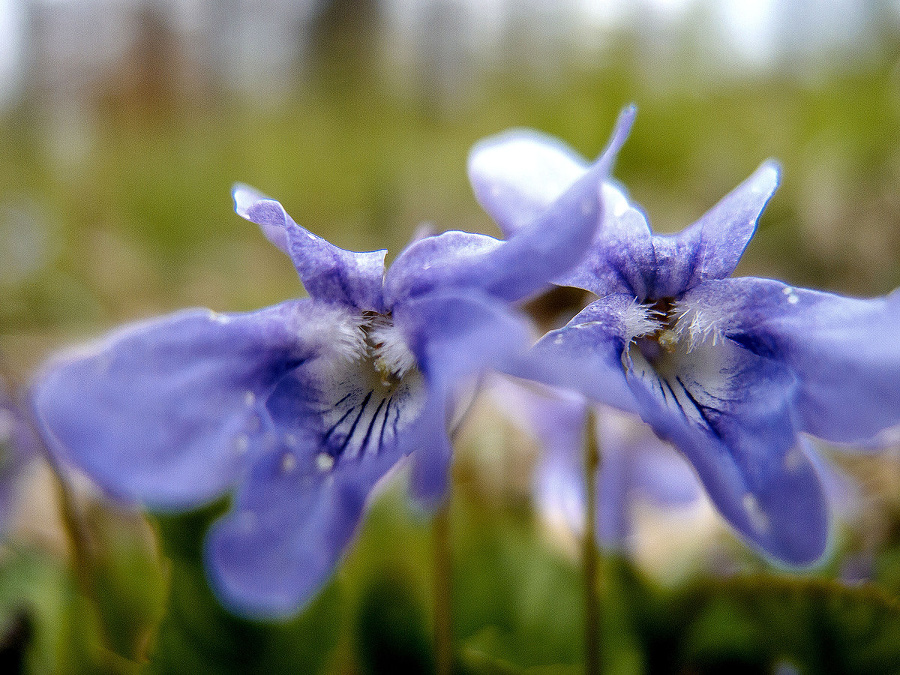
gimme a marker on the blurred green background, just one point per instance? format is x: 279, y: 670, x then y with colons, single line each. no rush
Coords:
x: 123, y: 127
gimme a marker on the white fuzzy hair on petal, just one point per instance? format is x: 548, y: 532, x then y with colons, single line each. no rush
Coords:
x: 698, y: 324
x: 639, y: 321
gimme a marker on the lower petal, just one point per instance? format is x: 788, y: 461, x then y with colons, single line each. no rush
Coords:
x: 749, y: 459
x: 456, y: 338
x: 586, y: 354
x: 290, y: 526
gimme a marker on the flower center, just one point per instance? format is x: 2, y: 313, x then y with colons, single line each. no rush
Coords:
x: 365, y: 401
x: 659, y: 343
x: 680, y: 352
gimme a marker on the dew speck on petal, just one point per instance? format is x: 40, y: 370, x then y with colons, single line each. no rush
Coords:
x: 758, y: 519
x: 241, y: 443
x: 288, y: 462
x: 324, y: 462
x: 792, y: 460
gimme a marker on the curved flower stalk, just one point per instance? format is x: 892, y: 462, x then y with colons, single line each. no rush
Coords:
x: 730, y: 370
x: 304, y: 406
x: 634, y: 463
x: 18, y: 447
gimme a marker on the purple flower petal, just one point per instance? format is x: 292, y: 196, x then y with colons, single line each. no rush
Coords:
x: 654, y: 469
x: 289, y: 528
x: 843, y: 351
x: 628, y: 258
x: 166, y: 412
x: 727, y: 409
x: 18, y: 447
x: 717, y: 241
x: 328, y: 273
x: 586, y: 354
x: 633, y: 461
x: 450, y: 259
x: 545, y: 248
x: 517, y: 175
x: 619, y: 259
x: 455, y: 337
x: 730, y: 414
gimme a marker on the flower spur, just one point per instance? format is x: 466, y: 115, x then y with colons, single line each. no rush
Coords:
x: 732, y: 371
x: 303, y: 407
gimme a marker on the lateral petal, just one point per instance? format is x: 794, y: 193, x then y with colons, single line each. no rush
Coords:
x: 328, y: 273
x: 844, y: 351
x: 586, y: 354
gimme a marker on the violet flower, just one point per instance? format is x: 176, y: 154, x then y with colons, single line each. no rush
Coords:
x: 728, y: 370
x: 304, y: 406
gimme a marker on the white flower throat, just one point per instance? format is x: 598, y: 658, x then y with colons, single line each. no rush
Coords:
x: 369, y: 388
x: 681, y: 354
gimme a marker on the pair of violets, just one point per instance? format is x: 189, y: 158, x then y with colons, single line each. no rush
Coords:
x: 301, y: 408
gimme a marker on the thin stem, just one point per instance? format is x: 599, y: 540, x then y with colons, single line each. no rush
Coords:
x: 442, y: 550
x: 589, y: 550
x: 443, y: 632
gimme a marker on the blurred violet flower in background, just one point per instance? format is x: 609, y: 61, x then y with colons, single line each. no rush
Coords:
x: 18, y: 447
x: 634, y: 464
x: 304, y: 406
x: 728, y: 370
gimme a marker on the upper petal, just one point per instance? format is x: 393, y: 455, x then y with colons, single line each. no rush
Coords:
x: 166, y: 412
x: 328, y: 273
x: 844, y: 351
x: 516, y: 175
x: 712, y: 247
x: 536, y: 252
x: 622, y: 258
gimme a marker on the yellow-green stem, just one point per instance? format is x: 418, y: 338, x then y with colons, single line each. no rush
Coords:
x: 589, y: 550
x: 443, y: 631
